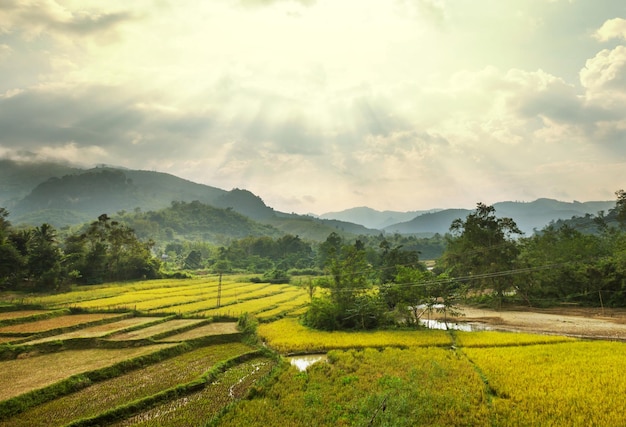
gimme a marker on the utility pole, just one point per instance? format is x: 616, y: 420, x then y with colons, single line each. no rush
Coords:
x: 219, y: 292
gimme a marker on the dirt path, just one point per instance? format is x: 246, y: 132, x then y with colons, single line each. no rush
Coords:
x: 579, y: 322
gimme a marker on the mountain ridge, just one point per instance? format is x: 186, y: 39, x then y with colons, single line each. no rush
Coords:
x: 66, y: 195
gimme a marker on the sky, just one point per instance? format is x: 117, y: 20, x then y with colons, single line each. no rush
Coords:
x: 324, y: 105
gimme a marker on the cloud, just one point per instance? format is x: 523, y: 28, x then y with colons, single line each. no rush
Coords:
x: 431, y: 11
x: 35, y: 17
x: 260, y: 3
x: 5, y: 52
x: 611, y: 29
x: 604, y: 78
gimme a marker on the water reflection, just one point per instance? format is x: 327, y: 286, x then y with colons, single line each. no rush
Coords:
x: 467, y: 327
x: 302, y: 362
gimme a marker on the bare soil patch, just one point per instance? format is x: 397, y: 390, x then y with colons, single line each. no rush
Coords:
x: 581, y: 322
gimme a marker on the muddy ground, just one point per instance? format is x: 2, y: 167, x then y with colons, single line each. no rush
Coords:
x: 571, y: 321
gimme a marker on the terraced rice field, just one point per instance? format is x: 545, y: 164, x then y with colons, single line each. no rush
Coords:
x: 101, y: 330
x: 35, y: 371
x: 195, y: 409
x: 160, y: 369
x: 219, y: 328
x: 11, y: 315
x: 141, y: 383
x: 194, y: 297
x: 55, y: 323
x: 158, y: 329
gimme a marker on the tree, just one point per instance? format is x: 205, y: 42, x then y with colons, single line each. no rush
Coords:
x: 410, y: 293
x: 109, y: 250
x: 11, y: 258
x: 620, y: 207
x: 44, y: 259
x: 393, y: 258
x: 347, y: 305
x: 480, y: 249
x: 569, y: 266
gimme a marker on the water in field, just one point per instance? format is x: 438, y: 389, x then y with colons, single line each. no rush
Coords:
x: 302, y: 362
x: 467, y: 327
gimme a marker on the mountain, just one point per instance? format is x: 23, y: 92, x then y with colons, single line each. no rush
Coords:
x: 536, y: 215
x: 372, y: 218
x: 64, y: 195
x: 17, y: 179
x: 77, y: 196
x: 528, y: 216
x: 429, y: 223
x: 109, y: 190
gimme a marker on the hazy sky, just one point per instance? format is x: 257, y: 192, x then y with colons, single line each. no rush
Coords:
x: 322, y: 105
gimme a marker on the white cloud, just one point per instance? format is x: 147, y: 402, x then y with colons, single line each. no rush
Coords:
x: 611, y: 29
x: 604, y: 78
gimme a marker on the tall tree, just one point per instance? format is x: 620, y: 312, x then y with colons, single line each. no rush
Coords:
x: 44, y: 258
x: 11, y: 260
x: 481, y: 249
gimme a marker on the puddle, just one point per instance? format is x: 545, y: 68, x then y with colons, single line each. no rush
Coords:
x: 303, y: 361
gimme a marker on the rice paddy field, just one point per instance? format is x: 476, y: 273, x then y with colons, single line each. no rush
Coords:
x: 162, y: 353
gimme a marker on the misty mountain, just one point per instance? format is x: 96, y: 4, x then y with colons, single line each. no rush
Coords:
x: 64, y: 195
x: 372, y: 218
x: 78, y: 196
x: 429, y: 223
x: 107, y: 190
x: 527, y: 215
x: 195, y: 221
x: 17, y: 179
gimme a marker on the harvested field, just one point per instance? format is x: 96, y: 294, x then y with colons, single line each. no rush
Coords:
x: 38, y: 371
x: 45, y: 325
x: 10, y: 315
x: 101, y: 330
x: 150, y: 331
x: 221, y: 328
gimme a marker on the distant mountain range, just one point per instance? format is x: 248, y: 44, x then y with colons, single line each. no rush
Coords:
x: 66, y: 195
x: 371, y: 218
x: 528, y: 216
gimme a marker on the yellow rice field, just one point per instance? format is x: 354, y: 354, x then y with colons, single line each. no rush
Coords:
x: 289, y: 336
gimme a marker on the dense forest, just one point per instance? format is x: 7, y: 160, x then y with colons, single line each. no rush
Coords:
x: 369, y: 281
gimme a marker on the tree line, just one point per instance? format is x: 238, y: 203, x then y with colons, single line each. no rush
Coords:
x: 35, y: 259
x: 486, y: 259
x: 365, y: 282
